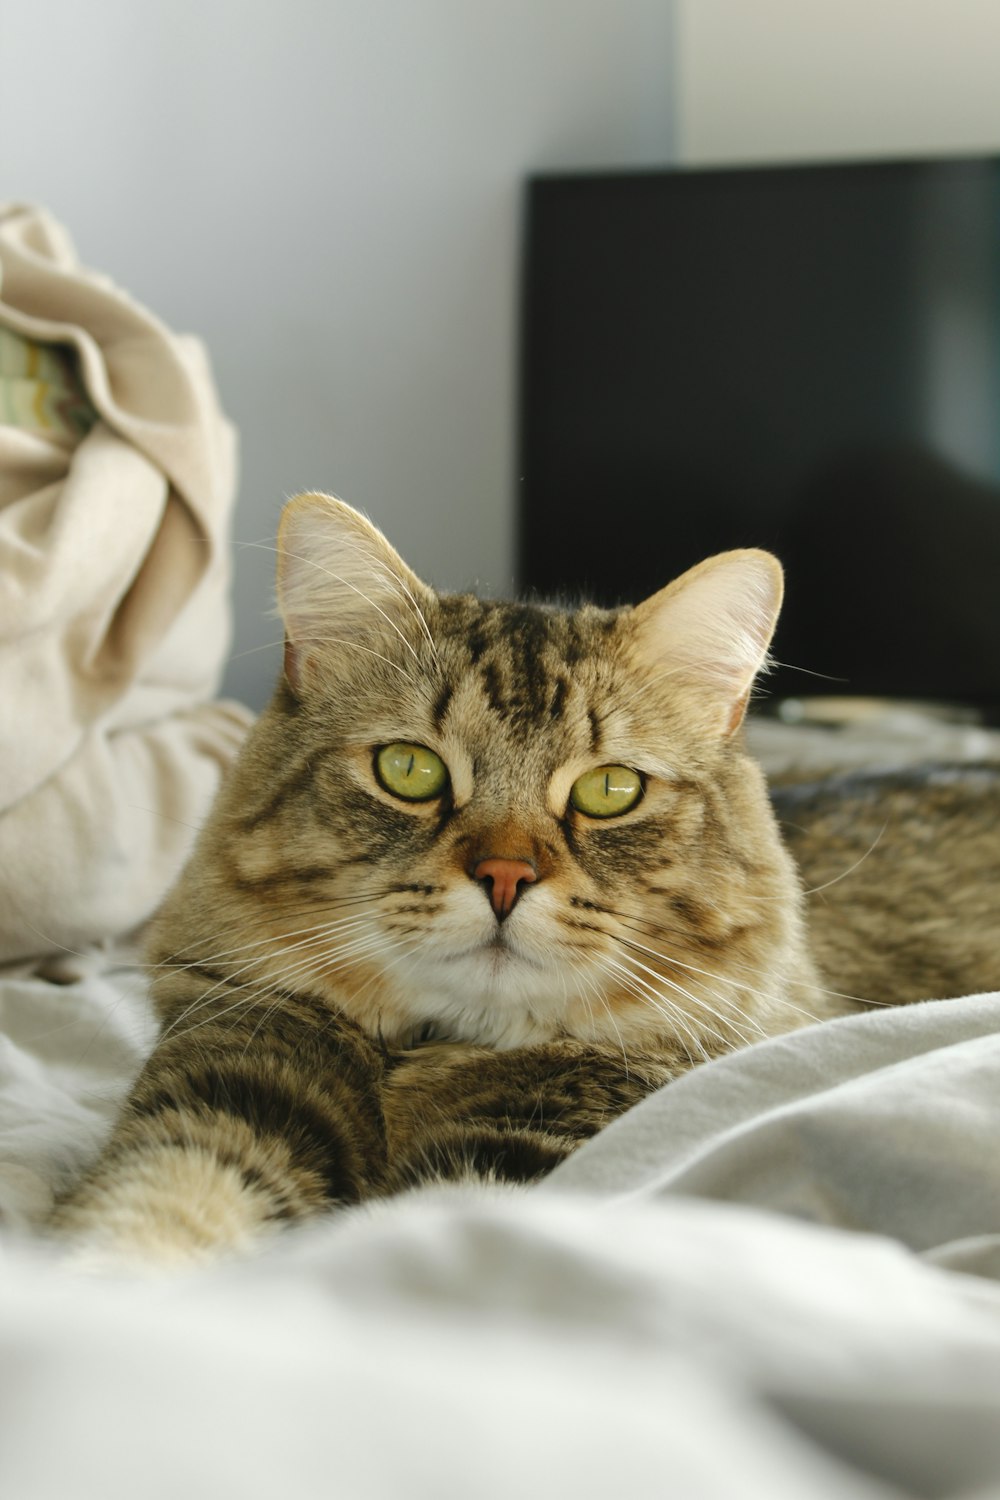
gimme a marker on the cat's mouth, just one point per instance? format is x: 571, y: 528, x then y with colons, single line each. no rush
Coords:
x: 499, y: 950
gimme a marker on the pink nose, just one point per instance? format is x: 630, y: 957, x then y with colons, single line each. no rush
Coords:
x: 504, y: 877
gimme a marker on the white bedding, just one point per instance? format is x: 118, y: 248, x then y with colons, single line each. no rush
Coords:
x: 777, y: 1277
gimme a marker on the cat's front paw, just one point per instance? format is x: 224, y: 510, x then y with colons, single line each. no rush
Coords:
x: 165, y: 1211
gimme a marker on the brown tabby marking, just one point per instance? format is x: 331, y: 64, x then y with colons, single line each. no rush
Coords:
x: 905, y: 866
x: 346, y: 1010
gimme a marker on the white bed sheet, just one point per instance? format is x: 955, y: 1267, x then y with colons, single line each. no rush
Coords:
x: 778, y: 1277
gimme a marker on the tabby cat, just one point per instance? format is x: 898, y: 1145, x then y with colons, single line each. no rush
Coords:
x: 486, y: 874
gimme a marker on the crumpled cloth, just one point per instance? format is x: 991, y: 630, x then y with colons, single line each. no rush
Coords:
x: 114, y: 604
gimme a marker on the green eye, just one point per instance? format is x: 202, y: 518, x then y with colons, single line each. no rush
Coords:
x: 606, y: 791
x: 411, y: 771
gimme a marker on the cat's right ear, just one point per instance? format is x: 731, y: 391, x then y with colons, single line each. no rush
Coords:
x: 340, y: 581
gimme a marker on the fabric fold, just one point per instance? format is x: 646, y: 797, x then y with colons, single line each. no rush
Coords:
x: 114, y: 583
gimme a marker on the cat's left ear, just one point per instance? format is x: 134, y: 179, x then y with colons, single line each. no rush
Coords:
x: 340, y: 582
x: 706, y: 634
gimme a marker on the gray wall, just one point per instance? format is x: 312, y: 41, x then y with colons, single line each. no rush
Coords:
x: 328, y: 193
x: 779, y: 80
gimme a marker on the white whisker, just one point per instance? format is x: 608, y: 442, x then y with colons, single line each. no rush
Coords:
x: 645, y: 992
x: 333, y: 640
x: 699, y: 1000
x: 838, y: 878
x: 343, y: 957
x: 228, y: 981
x: 743, y: 968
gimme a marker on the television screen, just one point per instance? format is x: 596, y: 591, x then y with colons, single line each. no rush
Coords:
x: 800, y: 358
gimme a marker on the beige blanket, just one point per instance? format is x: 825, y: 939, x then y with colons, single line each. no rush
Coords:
x: 113, y: 598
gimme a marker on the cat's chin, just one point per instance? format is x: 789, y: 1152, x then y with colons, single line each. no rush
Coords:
x: 490, y: 994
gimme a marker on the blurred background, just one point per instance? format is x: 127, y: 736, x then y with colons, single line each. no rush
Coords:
x: 331, y: 194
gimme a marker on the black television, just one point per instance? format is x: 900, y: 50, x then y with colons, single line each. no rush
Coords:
x: 804, y: 358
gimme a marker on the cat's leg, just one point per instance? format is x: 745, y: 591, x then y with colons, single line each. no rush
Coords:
x: 457, y: 1112
x: 264, y: 1114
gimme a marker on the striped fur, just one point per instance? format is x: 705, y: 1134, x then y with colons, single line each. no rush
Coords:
x: 343, y: 1014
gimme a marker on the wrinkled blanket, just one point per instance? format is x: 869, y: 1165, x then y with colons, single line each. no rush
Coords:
x: 777, y: 1277
x: 117, y: 472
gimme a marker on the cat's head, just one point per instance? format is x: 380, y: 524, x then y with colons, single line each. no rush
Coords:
x: 502, y: 821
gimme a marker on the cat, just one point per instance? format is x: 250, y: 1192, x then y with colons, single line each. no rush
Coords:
x: 484, y: 875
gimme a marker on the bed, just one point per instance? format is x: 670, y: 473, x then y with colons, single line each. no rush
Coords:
x: 779, y: 1276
